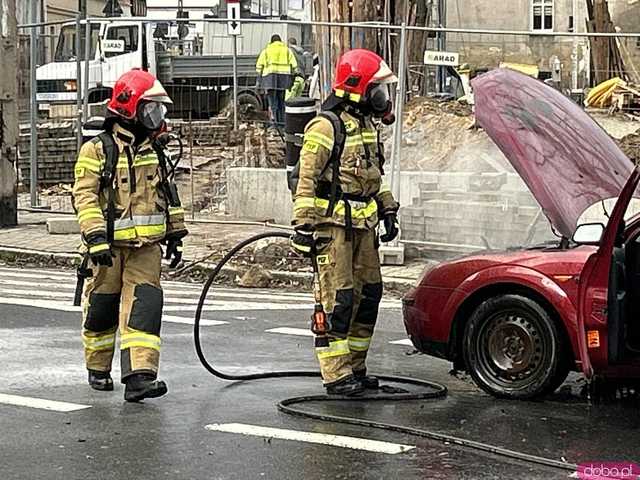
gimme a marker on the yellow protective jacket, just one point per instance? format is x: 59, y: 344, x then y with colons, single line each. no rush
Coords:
x: 276, y: 66
x: 359, y: 176
x: 143, y: 214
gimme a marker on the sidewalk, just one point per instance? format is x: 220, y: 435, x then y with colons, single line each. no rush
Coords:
x: 31, y: 242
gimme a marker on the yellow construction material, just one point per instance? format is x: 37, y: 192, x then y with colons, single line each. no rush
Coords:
x: 527, y: 69
x: 601, y: 96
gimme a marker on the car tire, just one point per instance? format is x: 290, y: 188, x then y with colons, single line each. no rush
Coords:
x: 513, y: 348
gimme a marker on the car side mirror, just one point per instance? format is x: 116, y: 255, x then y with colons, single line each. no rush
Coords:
x: 588, y: 234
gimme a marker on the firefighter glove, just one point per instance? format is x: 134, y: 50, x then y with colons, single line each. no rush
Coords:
x: 174, y: 251
x: 390, y: 227
x: 99, y: 249
x: 302, y: 241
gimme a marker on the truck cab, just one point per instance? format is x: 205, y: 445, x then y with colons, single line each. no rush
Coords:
x: 115, y: 48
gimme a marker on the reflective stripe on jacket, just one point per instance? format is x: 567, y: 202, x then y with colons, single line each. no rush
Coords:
x: 276, y: 66
x: 142, y: 211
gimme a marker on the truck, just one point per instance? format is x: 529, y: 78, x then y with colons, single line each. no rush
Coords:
x: 197, y: 71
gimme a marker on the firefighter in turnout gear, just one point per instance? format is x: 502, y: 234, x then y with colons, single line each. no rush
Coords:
x: 337, y: 207
x: 127, y: 207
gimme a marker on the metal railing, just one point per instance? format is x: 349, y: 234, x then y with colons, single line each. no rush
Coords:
x: 232, y: 79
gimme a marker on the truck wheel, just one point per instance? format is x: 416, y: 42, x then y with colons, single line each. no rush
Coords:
x: 248, y: 106
x: 513, y: 348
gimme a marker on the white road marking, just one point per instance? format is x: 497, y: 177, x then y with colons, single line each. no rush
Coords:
x: 36, y: 293
x: 303, y: 332
x: 354, y: 443
x: 406, y: 341
x: 50, y: 305
x: 39, y: 271
x: 213, y: 294
x: 39, y: 276
x: 40, y: 403
x: 191, y: 321
x: 237, y: 306
x: 210, y: 307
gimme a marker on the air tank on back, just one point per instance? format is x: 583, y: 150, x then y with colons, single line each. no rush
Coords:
x: 298, y: 113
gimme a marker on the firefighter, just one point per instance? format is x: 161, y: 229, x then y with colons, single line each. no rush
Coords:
x: 276, y: 67
x: 125, y: 212
x: 336, y: 212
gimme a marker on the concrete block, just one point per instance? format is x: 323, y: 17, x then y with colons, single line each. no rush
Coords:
x: 62, y: 226
x: 259, y: 194
x: 391, y: 255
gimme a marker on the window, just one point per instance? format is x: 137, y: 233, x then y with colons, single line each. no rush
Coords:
x: 637, y: 42
x: 66, y: 48
x: 128, y: 34
x: 542, y: 14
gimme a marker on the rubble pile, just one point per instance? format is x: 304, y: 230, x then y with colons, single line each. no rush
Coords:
x: 433, y: 130
x: 630, y: 145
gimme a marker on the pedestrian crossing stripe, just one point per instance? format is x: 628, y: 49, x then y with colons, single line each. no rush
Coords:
x: 40, y: 403
x: 50, y: 289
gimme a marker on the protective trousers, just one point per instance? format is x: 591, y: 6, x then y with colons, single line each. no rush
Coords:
x: 127, y: 295
x: 351, y: 289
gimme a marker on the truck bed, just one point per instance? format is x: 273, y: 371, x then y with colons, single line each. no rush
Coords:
x: 173, y: 69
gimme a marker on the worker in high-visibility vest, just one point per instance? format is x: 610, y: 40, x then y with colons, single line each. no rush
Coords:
x: 276, y: 68
x: 299, y: 81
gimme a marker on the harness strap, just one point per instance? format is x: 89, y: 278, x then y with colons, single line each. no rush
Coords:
x: 110, y: 150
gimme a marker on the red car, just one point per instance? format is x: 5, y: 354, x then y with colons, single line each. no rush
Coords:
x: 519, y: 321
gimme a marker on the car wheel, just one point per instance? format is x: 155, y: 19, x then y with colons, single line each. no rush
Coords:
x: 513, y: 348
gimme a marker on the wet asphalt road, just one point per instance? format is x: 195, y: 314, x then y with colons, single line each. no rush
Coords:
x: 41, y: 357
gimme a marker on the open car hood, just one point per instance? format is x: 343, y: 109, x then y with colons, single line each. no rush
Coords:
x: 568, y: 162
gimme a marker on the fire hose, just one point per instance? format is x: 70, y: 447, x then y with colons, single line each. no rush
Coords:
x: 432, y: 390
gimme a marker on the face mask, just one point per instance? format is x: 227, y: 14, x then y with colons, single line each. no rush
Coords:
x: 152, y: 115
x: 380, y: 104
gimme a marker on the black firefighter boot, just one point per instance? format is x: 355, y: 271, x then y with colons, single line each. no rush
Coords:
x: 100, y: 380
x: 347, y: 386
x: 369, y: 382
x: 143, y: 385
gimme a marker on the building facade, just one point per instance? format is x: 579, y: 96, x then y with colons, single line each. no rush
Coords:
x: 552, y: 16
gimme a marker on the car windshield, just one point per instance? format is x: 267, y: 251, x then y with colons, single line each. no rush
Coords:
x: 66, y: 48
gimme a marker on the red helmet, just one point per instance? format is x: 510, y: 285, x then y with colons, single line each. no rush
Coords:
x: 131, y: 89
x: 357, y: 71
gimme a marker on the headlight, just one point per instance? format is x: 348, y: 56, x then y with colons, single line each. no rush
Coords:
x: 70, y: 85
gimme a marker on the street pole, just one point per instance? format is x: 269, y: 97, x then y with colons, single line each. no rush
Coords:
x: 78, y: 83
x: 85, y: 80
x: 33, y: 107
x: 235, y: 82
x: 400, y: 98
x: 8, y: 114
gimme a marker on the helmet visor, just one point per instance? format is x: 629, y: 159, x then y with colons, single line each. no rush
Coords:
x: 379, y: 98
x: 152, y: 115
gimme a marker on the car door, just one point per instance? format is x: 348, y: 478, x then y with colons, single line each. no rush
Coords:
x: 121, y: 51
x: 594, y: 287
